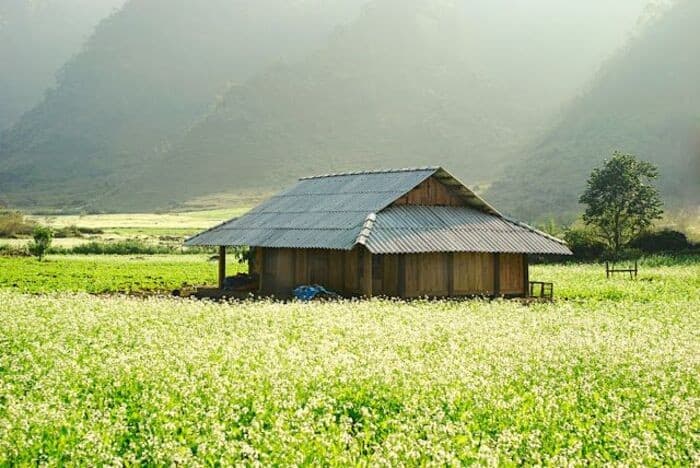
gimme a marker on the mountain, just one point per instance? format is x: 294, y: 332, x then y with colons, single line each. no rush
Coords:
x: 410, y: 83
x: 140, y: 81
x: 645, y: 101
x: 36, y: 39
x: 175, y: 99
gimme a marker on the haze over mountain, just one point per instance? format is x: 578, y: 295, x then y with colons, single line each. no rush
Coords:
x: 645, y: 101
x: 141, y: 80
x: 414, y: 82
x: 136, y: 123
x: 36, y: 39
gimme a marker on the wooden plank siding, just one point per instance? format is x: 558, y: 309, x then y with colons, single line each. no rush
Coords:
x: 358, y: 273
x: 473, y: 274
x: 448, y: 274
x: 284, y: 269
x: 430, y: 192
x: 511, y: 274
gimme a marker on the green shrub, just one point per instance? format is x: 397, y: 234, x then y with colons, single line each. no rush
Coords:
x: 75, y: 231
x: 127, y: 247
x: 86, y: 230
x: 42, y: 242
x: 666, y: 240
x: 68, y: 231
x: 584, y: 244
x: 624, y: 255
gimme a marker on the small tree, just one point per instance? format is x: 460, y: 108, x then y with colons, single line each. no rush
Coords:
x: 42, y: 241
x: 621, y: 202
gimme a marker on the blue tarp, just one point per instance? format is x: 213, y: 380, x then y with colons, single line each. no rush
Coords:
x: 309, y: 293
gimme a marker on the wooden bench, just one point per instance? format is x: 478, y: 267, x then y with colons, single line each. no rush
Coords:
x: 611, y: 270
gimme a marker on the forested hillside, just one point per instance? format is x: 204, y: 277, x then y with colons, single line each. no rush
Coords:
x: 142, y: 79
x: 645, y: 101
x: 418, y: 82
x: 36, y: 39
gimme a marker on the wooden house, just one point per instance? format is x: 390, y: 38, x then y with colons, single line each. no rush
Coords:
x: 400, y: 233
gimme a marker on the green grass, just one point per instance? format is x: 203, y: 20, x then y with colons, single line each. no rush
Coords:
x: 660, y: 279
x: 608, y: 374
x: 109, y: 274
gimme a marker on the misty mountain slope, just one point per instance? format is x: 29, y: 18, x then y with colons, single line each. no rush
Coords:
x: 407, y: 84
x: 143, y: 78
x: 646, y: 101
x: 36, y: 39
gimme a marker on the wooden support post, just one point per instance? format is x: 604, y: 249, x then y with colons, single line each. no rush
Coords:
x: 496, y: 274
x: 402, y: 276
x: 366, y: 276
x: 260, y: 261
x: 526, y: 274
x: 222, y: 266
x: 450, y: 274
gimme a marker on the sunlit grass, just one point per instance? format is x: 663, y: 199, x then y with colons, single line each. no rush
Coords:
x: 109, y: 274
x: 184, y: 220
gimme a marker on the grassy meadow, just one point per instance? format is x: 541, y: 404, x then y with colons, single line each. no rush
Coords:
x: 606, y: 374
x: 109, y: 274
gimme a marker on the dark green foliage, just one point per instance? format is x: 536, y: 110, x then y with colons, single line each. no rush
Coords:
x: 666, y: 240
x: 620, y: 201
x: 584, y: 243
x: 41, y: 244
x: 74, y: 231
x: 627, y: 254
x: 127, y: 247
x: 68, y: 232
x: 86, y: 230
x: 130, y: 247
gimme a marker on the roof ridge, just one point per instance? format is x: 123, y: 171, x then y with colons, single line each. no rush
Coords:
x: 366, y: 229
x: 374, y: 171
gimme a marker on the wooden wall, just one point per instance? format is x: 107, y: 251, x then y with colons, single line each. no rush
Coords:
x: 473, y: 274
x: 430, y: 192
x: 512, y: 274
x: 345, y: 272
x: 448, y: 275
x: 359, y: 273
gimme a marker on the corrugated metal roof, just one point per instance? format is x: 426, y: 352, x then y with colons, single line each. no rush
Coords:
x: 326, y: 212
x: 340, y: 211
x: 417, y: 229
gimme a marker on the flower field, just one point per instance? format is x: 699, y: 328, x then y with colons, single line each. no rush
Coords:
x: 608, y: 374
